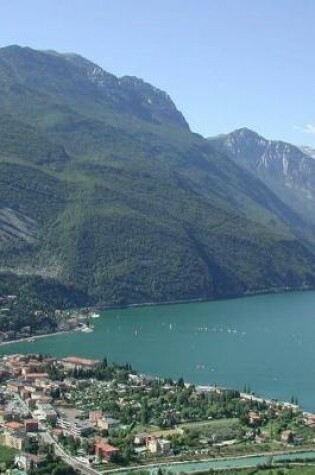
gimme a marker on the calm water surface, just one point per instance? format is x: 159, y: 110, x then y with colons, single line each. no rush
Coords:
x: 266, y: 342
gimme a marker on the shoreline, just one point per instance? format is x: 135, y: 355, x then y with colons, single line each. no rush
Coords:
x: 280, y: 290
x: 267, y: 398
x: 35, y: 337
x: 247, y: 294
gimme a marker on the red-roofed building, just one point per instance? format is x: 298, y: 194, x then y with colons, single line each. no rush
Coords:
x: 14, y: 426
x: 105, y: 451
x: 76, y: 362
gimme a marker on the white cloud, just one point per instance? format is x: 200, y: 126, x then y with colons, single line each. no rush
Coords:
x: 308, y: 128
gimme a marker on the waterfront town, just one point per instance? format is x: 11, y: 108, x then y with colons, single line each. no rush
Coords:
x: 89, y: 416
x: 26, y: 319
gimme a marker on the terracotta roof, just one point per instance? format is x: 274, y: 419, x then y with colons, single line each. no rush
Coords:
x: 14, y: 425
x: 104, y: 447
x: 80, y: 361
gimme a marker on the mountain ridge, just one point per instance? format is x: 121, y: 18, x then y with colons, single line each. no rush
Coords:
x: 128, y: 204
x: 288, y: 170
x: 74, y: 69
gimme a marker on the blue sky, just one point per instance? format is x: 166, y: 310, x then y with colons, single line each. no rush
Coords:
x: 225, y: 63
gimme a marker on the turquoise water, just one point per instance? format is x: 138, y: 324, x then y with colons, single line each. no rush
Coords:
x: 266, y: 342
x: 244, y: 462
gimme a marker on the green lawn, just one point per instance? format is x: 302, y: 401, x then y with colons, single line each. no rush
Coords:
x: 143, y: 428
x: 6, y: 454
x: 221, y: 429
x: 214, y: 424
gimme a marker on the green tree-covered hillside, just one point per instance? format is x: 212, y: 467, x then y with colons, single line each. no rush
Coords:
x: 106, y: 192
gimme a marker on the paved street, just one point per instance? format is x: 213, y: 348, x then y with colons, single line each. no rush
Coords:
x: 58, y: 449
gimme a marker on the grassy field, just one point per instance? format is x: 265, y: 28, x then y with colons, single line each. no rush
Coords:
x: 213, y: 424
x: 155, y: 430
x: 217, y: 430
x: 6, y: 454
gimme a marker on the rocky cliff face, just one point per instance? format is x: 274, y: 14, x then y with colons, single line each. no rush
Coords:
x: 69, y: 76
x: 288, y: 170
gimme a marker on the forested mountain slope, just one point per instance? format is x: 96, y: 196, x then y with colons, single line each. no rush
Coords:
x: 116, y: 200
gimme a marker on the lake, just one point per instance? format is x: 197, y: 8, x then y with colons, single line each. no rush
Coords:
x: 266, y: 342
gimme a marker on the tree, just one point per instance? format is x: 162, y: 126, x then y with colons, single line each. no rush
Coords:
x: 145, y: 413
x: 56, y: 393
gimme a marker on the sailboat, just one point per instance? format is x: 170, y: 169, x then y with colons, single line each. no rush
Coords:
x: 95, y: 315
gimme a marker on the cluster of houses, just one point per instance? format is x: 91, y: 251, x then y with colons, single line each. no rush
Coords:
x: 27, y: 399
x: 64, y: 321
x: 151, y: 443
x: 255, y: 419
x: 31, y: 401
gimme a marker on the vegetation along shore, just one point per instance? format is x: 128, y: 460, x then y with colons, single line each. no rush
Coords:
x: 101, y: 417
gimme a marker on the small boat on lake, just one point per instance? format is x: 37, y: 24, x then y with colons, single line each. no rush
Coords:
x: 95, y: 315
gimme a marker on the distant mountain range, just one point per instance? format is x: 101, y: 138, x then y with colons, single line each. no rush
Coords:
x: 107, y: 197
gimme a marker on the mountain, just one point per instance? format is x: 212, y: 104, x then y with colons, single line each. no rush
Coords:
x: 308, y: 151
x: 289, y: 171
x: 107, y: 197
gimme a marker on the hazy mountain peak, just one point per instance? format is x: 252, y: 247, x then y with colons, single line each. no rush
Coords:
x: 310, y: 151
x: 287, y: 169
x: 245, y: 132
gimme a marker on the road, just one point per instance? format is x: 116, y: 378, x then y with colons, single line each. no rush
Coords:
x: 58, y: 449
x: 190, y: 466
